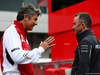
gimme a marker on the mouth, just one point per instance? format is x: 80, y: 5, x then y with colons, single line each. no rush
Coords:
x: 33, y: 25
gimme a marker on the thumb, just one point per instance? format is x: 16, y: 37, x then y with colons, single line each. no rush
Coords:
x: 41, y: 42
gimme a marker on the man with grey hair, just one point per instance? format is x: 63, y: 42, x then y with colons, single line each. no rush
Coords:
x: 87, y: 52
x: 15, y: 55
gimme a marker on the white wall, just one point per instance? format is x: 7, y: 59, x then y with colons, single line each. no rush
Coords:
x: 7, y: 18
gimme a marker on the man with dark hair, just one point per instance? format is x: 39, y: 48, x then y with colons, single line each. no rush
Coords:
x: 15, y: 55
x: 86, y: 53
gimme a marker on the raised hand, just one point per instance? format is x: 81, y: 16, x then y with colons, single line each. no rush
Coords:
x: 47, y: 43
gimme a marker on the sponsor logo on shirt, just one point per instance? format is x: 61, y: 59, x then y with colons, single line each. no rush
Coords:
x: 84, y: 51
x: 23, y: 40
x: 97, y: 46
x: 15, y: 49
x: 84, y: 48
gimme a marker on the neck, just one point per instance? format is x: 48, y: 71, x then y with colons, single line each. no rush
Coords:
x: 84, y: 34
x: 84, y: 29
x: 23, y: 25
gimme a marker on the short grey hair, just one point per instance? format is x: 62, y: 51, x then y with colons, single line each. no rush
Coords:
x: 85, y: 18
x: 28, y: 9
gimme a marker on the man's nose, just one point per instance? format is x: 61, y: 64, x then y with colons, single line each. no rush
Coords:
x: 35, y: 23
x: 73, y: 27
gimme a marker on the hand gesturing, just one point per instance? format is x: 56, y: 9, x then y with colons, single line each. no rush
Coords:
x: 47, y: 43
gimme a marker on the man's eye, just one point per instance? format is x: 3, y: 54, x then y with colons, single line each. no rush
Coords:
x: 73, y: 23
x: 35, y: 19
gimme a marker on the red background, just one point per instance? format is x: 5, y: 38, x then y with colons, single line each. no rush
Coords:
x: 60, y: 26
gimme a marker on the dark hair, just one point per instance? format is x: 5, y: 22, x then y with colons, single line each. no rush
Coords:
x: 85, y: 18
x: 28, y: 9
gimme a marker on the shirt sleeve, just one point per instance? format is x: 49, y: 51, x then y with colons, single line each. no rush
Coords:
x: 85, y: 49
x: 75, y: 63
x: 12, y: 47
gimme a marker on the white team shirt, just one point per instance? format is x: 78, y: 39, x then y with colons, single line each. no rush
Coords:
x: 12, y: 46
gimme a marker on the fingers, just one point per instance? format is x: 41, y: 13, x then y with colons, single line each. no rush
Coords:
x: 49, y: 40
x: 41, y: 43
x: 52, y: 45
x: 47, y: 43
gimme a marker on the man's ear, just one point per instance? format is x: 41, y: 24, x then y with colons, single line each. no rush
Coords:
x: 83, y: 25
x: 25, y: 17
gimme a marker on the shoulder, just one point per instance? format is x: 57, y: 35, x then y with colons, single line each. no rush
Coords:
x: 11, y: 30
x: 90, y: 39
x: 85, y: 42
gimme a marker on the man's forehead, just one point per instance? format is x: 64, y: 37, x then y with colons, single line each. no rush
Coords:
x: 77, y: 17
x: 35, y: 16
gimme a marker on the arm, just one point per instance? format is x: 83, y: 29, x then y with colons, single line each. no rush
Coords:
x: 85, y: 49
x: 76, y: 64
x: 12, y: 44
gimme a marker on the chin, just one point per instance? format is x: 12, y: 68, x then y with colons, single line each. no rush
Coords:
x: 30, y: 29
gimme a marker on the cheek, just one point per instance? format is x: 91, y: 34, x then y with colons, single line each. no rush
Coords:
x: 29, y: 24
x: 75, y: 27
